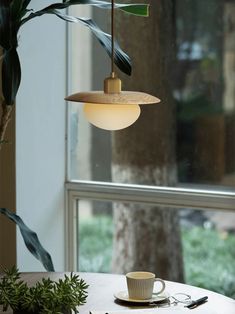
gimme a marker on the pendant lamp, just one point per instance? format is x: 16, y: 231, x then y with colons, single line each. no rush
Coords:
x: 112, y: 109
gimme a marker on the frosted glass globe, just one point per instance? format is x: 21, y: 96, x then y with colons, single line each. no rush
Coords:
x: 111, y: 116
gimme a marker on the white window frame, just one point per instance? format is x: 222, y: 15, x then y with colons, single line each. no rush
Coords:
x: 174, y: 197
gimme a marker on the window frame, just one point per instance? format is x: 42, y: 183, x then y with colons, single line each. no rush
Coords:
x: 170, y: 197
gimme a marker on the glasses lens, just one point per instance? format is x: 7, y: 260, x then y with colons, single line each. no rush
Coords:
x: 182, y: 297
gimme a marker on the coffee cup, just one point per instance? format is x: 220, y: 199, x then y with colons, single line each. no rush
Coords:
x: 140, y: 285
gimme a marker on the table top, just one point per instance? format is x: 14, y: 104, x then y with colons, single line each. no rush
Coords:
x: 102, y: 288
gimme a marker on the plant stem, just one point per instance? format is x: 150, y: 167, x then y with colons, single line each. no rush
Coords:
x: 5, y: 111
x: 5, y: 119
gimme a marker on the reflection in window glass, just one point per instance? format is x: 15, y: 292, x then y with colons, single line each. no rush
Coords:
x: 208, y: 244
x: 205, y: 101
x: 204, y: 94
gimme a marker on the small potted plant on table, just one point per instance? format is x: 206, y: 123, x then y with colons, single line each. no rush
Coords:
x: 46, y: 296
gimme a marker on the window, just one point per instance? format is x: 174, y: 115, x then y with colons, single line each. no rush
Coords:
x: 203, y: 138
x: 179, y: 157
x: 96, y: 232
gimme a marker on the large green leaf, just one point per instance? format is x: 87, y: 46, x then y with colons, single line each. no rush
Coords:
x: 31, y: 240
x: 121, y: 59
x: 11, y: 75
x: 19, y: 9
x: 16, y: 7
x: 5, y: 25
x: 25, y: 4
x: 135, y: 8
x: 140, y: 9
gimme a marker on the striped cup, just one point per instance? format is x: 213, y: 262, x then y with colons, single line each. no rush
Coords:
x: 140, y: 285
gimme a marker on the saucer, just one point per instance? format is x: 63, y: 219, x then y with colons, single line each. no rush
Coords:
x: 123, y: 296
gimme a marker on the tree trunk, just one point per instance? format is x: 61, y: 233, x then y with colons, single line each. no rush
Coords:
x: 229, y: 83
x: 229, y: 56
x: 148, y: 238
x: 209, y: 157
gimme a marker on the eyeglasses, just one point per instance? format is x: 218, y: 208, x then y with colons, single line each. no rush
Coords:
x: 180, y: 298
x: 174, y: 300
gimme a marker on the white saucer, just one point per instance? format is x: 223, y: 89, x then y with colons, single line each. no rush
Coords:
x: 123, y: 296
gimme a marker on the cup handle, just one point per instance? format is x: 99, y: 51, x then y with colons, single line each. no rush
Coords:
x: 163, y: 285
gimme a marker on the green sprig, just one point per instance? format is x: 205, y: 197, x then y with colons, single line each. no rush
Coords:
x: 46, y: 296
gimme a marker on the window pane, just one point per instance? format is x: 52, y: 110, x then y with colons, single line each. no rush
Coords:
x: 207, y: 237
x: 193, y: 143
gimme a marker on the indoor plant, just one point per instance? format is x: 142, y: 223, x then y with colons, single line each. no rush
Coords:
x: 45, y: 296
x: 13, y: 15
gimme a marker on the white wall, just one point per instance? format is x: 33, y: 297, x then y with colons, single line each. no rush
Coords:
x: 40, y: 135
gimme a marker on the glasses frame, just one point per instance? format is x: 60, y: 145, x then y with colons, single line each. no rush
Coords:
x: 174, y: 300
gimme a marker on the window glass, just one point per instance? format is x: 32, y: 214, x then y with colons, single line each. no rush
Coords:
x: 208, y: 244
x: 198, y: 146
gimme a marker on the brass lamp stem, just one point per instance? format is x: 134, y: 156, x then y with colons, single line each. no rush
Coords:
x: 112, y: 84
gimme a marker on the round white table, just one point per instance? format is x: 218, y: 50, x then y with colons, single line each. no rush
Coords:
x: 102, y: 288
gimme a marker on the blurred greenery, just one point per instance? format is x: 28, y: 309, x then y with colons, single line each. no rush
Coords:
x: 209, y: 259
x: 95, y: 245
x: 209, y: 256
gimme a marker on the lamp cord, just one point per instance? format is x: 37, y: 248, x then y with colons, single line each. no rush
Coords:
x: 112, y: 37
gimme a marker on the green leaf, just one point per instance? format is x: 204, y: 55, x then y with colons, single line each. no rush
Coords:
x: 121, y: 59
x: 140, y: 9
x: 136, y: 8
x: 5, y: 25
x: 19, y: 9
x: 11, y: 75
x: 25, y: 4
x: 16, y: 7
x: 31, y: 240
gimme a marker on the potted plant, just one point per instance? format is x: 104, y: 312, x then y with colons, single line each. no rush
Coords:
x: 14, y: 15
x: 46, y: 296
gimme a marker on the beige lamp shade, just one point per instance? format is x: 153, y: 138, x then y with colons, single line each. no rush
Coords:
x: 114, y: 111
x: 99, y: 97
x: 111, y: 116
